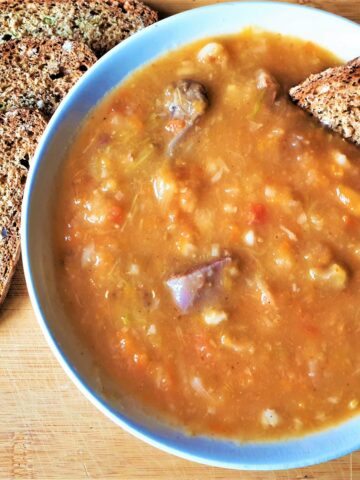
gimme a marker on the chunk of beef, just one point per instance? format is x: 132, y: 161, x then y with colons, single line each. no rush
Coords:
x: 186, y: 101
x: 267, y: 83
x: 194, y: 285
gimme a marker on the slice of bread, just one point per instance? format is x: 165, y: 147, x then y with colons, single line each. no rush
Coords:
x: 101, y: 24
x: 333, y: 97
x: 20, y: 131
x: 39, y: 73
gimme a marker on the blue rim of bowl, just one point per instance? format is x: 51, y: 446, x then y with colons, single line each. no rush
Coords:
x: 138, y: 430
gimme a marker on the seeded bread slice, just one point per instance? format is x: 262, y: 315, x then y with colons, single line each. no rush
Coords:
x: 101, y: 24
x: 39, y: 73
x: 333, y: 97
x: 20, y: 131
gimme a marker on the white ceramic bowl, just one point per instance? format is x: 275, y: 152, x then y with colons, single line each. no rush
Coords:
x: 338, y: 35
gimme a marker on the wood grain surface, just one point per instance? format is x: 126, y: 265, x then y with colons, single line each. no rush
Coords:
x: 48, y: 430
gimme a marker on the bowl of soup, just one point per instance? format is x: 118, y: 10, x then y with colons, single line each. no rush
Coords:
x: 186, y: 248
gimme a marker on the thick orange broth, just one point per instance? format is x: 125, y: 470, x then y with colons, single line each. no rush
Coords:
x: 267, y: 344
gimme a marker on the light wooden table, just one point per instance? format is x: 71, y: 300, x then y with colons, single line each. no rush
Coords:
x: 48, y: 430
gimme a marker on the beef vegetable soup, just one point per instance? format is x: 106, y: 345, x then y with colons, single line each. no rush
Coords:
x: 207, y: 242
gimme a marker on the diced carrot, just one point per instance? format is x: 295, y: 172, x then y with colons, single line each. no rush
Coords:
x: 258, y: 213
x: 348, y: 220
x: 234, y: 233
x: 136, y: 122
x: 175, y: 125
x: 284, y: 255
x: 337, y: 170
x: 140, y: 359
x: 311, y: 329
x: 116, y: 214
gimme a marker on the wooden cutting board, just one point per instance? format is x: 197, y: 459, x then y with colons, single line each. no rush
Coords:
x: 48, y: 430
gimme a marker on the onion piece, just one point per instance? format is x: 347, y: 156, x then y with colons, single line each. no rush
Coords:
x: 88, y: 255
x: 199, y: 388
x: 269, y: 418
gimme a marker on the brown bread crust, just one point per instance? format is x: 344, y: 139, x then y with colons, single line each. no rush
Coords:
x: 39, y: 73
x: 20, y: 131
x: 333, y: 97
x: 100, y: 24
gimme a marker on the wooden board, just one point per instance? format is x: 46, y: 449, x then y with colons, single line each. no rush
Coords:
x: 346, y: 8
x: 48, y: 430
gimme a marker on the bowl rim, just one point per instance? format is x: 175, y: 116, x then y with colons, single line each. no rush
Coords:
x: 100, y: 403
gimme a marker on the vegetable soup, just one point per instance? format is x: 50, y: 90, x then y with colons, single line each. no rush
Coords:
x: 207, y: 242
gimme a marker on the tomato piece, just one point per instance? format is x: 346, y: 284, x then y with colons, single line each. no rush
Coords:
x: 116, y: 214
x: 258, y: 214
x: 348, y: 220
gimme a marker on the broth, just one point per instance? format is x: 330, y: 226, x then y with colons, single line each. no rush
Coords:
x: 206, y: 237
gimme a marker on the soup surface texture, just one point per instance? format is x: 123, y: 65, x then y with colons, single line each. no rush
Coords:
x: 207, y: 242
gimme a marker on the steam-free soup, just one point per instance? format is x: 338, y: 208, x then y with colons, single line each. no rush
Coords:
x: 207, y: 242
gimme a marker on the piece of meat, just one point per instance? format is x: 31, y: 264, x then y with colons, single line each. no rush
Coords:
x: 267, y: 83
x: 186, y: 101
x: 194, y: 285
